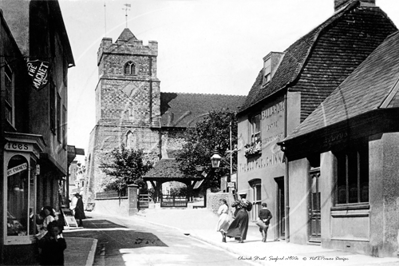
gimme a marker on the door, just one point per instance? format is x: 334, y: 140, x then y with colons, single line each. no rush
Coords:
x: 280, y: 208
x: 314, y: 207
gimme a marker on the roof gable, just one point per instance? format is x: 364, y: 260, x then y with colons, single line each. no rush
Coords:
x: 185, y: 109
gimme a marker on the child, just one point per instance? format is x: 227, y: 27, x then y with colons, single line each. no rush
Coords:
x: 52, y: 246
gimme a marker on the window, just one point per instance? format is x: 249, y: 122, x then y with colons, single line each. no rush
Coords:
x: 130, y: 68
x: 20, y: 197
x: 59, y: 127
x: 52, y: 108
x: 255, y: 128
x: 9, y: 94
x: 267, y: 69
x: 64, y: 127
x: 353, y: 176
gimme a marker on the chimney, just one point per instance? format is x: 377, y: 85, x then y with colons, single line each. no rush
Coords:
x: 338, y: 4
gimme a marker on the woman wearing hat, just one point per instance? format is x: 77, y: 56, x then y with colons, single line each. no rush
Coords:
x: 78, y: 208
x: 239, y: 227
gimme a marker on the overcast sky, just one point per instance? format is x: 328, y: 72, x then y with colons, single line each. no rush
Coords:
x: 205, y: 46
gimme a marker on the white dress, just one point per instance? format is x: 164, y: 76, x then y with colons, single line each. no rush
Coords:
x: 224, y: 219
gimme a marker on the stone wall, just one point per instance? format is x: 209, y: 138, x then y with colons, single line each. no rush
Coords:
x: 212, y: 200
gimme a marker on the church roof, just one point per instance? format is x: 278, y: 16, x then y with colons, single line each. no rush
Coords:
x: 185, y: 109
x: 127, y: 36
x: 373, y: 85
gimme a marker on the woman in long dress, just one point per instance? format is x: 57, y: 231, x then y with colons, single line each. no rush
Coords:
x: 224, y: 219
x: 239, y: 227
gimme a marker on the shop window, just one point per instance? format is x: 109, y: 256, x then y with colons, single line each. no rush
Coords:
x: 9, y: 94
x: 130, y: 68
x: 19, y: 202
x: 352, y: 175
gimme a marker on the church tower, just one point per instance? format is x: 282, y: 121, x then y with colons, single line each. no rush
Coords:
x: 127, y: 102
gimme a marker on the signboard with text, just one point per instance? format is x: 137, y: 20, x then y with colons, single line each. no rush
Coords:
x: 38, y: 71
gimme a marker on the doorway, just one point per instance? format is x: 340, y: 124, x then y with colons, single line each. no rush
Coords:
x: 314, y: 207
x: 280, y: 208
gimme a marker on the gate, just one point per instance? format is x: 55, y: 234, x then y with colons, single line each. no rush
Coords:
x: 173, y: 201
x: 144, y: 201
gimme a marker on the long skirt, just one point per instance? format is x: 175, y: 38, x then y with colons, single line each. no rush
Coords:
x: 223, y: 223
x: 239, y: 227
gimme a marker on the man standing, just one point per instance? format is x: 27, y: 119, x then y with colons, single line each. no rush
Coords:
x: 264, y: 215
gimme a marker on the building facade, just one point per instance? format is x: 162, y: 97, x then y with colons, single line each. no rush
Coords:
x: 35, y: 59
x: 288, y: 88
x: 132, y: 111
x: 353, y: 137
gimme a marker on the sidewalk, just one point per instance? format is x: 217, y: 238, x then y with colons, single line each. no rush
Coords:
x: 80, y: 251
x: 201, y: 224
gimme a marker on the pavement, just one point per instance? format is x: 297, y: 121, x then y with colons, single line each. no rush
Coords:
x: 80, y: 251
x: 201, y: 224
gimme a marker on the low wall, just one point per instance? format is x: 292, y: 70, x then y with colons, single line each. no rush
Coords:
x: 213, y: 203
x: 113, y: 206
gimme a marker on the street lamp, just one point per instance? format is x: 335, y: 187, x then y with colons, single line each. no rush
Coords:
x: 215, y: 159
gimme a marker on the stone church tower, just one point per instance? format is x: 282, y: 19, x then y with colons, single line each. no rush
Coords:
x: 131, y: 110
x: 127, y: 102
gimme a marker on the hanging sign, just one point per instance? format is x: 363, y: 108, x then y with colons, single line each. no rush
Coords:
x: 38, y: 70
x: 17, y: 169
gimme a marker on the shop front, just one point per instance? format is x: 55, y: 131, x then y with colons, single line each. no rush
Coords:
x: 20, y: 173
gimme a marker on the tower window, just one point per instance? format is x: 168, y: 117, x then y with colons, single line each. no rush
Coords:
x: 130, y: 68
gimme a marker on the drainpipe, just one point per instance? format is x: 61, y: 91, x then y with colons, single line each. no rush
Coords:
x: 286, y: 179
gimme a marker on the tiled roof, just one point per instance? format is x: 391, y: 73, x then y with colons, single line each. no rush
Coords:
x: 166, y: 168
x: 318, y: 62
x: 373, y: 85
x: 185, y: 109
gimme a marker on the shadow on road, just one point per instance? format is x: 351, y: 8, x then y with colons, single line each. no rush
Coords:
x: 113, y: 236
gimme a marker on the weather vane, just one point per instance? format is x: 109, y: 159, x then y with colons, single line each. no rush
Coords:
x: 126, y: 8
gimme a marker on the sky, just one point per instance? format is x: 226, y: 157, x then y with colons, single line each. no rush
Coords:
x: 204, y: 46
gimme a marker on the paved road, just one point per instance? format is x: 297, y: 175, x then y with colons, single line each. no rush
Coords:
x: 126, y: 242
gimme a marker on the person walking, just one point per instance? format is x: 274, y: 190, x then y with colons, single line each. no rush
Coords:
x: 52, y: 246
x: 78, y: 209
x: 264, y: 216
x: 239, y: 227
x: 224, y: 219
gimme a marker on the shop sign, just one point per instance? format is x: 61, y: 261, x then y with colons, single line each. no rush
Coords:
x: 20, y: 146
x: 17, y: 169
x: 38, y: 70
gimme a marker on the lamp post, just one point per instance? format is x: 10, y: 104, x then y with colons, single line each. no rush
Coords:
x: 216, y: 158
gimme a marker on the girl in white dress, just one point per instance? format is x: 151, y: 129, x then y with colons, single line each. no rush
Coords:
x: 224, y: 219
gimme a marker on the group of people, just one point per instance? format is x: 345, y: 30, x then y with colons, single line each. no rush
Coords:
x: 237, y: 226
x: 50, y: 240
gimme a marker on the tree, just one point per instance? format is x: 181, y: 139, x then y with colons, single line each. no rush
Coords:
x: 211, y: 132
x: 124, y: 167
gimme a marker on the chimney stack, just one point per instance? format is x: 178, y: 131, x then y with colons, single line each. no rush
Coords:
x: 338, y: 4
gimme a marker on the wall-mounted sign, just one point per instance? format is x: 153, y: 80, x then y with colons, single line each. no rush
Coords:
x: 20, y: 146
x: 38, y: 70
x: 17, y: 169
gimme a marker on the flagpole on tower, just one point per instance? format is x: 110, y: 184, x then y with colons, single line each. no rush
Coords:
x: 105, y: 19
x: 126, y: 8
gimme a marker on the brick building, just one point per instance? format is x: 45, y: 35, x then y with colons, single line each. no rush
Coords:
x: 35, y: 57
x: 131, y: 109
